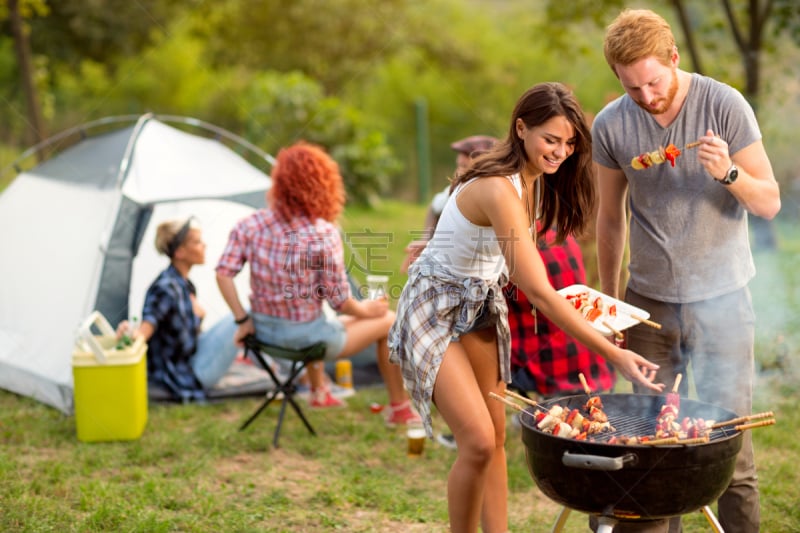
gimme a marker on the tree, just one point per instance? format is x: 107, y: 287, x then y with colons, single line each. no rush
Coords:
x: 36, y: 128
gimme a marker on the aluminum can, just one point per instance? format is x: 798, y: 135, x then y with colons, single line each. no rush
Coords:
x: 344, y: 373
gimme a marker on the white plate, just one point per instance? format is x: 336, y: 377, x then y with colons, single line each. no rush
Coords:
x: 621, y: 322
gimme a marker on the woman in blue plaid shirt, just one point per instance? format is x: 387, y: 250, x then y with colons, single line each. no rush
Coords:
x: 180, y: 358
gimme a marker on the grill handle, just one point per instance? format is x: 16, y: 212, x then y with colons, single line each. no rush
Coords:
x: 597, y: 462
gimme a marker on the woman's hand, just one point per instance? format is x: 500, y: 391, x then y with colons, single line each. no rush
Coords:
x: 637, y: 369
x: 123, y: 329
x: 374, y: 308
x: 145, y: 330
x: 245, y: 328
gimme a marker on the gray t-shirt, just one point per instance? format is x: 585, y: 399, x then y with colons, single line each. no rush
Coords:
x: 688, y: 237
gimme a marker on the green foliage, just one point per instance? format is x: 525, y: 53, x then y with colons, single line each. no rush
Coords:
x: 275, y: 110
x: 333, y: 42
x: 787, y: 18
x: 165, y: 78
x: 365, y: 67
x: 28, y: 9
x: 101, y: 30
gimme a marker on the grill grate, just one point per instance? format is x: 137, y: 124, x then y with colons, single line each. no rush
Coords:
x: 626, y: 424
x: 636, y: 426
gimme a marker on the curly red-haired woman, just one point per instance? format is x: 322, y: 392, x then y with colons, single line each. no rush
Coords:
x: 296, y: 260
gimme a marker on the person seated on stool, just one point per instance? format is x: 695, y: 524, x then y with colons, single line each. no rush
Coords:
x: 296, y: 259
x: 181, y: 358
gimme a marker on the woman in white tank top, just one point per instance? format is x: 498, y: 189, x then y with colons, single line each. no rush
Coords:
x: 451, y: 336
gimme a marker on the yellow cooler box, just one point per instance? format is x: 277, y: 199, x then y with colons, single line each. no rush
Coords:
x: 110, y: 384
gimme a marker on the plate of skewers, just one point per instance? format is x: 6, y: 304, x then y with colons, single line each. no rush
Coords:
x: 605, y: 314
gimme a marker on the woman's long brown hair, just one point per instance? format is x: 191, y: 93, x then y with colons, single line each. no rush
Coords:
x: 568, y: 194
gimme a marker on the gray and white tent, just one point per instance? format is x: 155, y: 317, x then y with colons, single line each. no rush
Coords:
x: 77, y: 232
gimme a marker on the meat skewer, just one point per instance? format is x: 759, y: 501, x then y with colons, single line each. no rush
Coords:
x: 656, y: 442
x: 695, y: 440
x: 521, y: 398
x: 746, y: 418
x: 665, y: 422
x: 646, y: 321
x: 662, y: 155
x: 509, y: 403
x: 586, y: 387
x: 617, y: 333
x: 759, y: 424
x: 594, y: 408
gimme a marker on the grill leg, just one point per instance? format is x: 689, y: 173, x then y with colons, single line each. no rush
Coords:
x: 605, y: 524
x: 715, y: 525
x: 561, y: 521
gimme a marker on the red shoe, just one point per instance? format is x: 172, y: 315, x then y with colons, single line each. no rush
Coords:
x: 322, y: 399
x: 401, y: 414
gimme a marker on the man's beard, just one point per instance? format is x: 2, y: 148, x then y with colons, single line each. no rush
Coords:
x: 666, y: 102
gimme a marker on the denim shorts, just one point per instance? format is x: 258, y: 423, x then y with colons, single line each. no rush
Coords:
x: 482, y: 321
x: 296, y: 335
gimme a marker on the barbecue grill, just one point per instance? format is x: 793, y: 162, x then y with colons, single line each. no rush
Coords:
x: 632, y: 482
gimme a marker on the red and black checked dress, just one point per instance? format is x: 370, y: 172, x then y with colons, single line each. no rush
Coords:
x: 544, y: 359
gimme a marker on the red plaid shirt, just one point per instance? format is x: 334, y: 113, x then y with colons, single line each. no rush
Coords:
x: 294, y: 266
x: 548, y: 362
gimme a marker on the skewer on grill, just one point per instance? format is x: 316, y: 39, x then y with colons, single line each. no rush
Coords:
x: 759, y: 424
x: 509, y: 403
x: 521, y: 398
x: 666, y: 420
x: 695, y: 440
x: 677, y: 383
x: 645, y: 321
x: 746, y: 418
x: 585, y: 384
x: 517, y: 406
x: 656, y: 442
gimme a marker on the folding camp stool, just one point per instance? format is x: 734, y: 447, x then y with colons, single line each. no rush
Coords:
x: 300, y: 359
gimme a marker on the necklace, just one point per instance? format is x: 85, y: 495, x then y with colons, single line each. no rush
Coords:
x: 530, y: 225
x: 526, y: 200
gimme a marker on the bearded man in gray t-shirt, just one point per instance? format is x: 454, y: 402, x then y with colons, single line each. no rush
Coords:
x: 690, y: 259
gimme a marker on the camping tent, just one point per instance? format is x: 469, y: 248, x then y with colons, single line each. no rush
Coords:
x: 77, y: 233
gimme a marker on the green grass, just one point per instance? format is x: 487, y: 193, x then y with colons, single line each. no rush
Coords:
x: 192, y: 470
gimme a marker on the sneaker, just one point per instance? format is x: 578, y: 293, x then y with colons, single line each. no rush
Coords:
x: 401, y: 415
x: 447, y: 440
x: 341, y: 392
x: 323, y: 399
x: 303, y: 391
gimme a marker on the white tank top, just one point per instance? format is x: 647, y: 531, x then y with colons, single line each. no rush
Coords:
x: 463, y: 248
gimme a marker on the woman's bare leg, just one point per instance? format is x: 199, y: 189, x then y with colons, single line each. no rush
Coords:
x: 316, y: 375
x: 477, y: 486
x: 361, y: 332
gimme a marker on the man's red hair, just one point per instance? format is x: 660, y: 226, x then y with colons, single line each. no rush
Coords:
x: 306, y: 181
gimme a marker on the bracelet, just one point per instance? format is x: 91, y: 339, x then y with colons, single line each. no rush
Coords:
x: 242, y: 320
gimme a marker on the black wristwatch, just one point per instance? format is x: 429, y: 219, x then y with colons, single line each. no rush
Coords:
x: 240, y: 321
x: 730, y: 176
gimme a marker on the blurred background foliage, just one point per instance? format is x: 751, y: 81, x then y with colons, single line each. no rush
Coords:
x: 348, y: 74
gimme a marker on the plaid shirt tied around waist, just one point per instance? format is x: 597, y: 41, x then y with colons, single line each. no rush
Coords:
x: 435, y: 306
